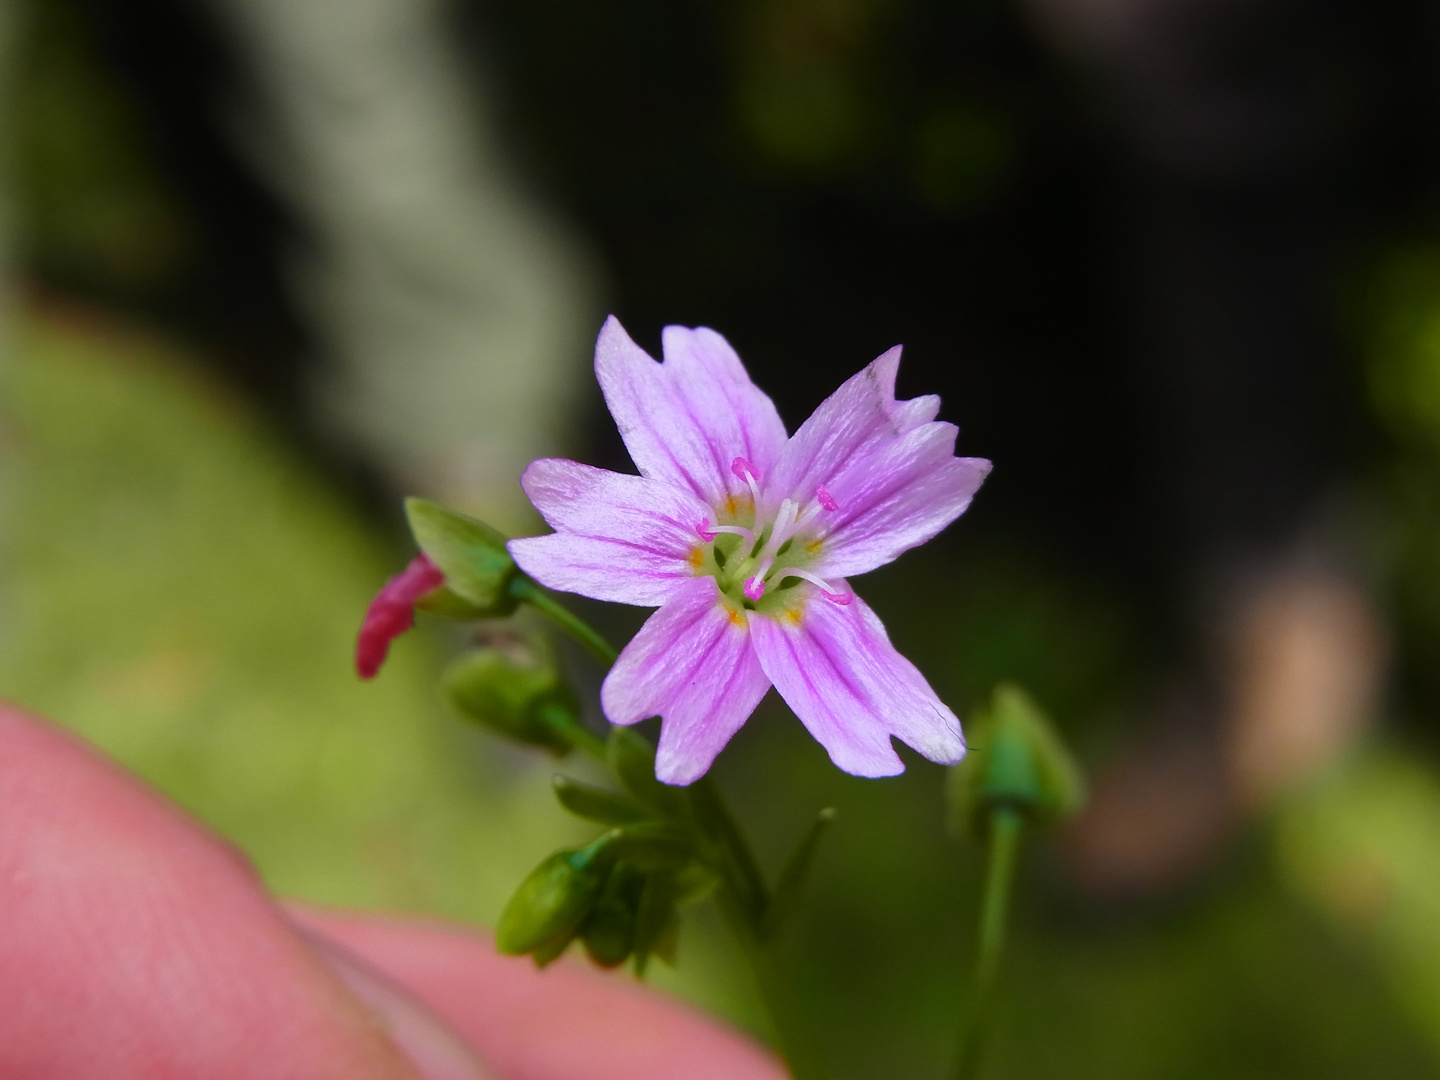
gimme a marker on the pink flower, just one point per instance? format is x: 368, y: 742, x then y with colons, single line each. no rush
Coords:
x: 743, y: 538
x: 392, y: 612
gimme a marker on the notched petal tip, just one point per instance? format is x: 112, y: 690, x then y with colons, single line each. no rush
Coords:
x: 838, y: 671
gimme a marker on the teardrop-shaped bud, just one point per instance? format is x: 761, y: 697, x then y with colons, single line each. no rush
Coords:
x: 551, y: 903
x: 514, y: 686
x: 1016, y: 760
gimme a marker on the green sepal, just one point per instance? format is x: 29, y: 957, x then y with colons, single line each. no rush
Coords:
x: 633, y: 759
x: 552, y: 902
x: 1015, y: 760
x: 471, y: 554
x: 515, y: 687
x: 657, y: 922
x: 551, y: 951
x: 609, y: 930
x: 728, y: 851
x: 652, y: 846
x: 449, y: 605
x: 694, y: 881
x: 785, y: 899
x: 596, y: 804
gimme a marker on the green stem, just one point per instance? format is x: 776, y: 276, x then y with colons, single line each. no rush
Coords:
x: 1006, y: 824
x: 742, y: 894
x: 526, y: 591
x: 564, y: 720
x: 799, y: 1045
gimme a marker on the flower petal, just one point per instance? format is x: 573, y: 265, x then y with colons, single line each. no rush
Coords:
x: 895, y: 495
x: 856, y: 416
x: 686, y: 421
x: 835, y: 667
x: 732, y: 410
x: 621, y: 538
x: 691, y: 664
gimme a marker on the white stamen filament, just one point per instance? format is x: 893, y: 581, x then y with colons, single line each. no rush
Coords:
x: 805, y: 518
x: 820, y: 583
x: 743, y: 469
x: 708, y: 532
x: 783, y: 529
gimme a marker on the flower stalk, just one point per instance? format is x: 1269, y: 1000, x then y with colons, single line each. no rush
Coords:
x: 527, y: 592
x: 1018, y: 773
x: 1002, y: 848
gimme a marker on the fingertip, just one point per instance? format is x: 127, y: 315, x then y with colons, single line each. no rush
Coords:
x: 556, y: 1024
x: 148, y: 946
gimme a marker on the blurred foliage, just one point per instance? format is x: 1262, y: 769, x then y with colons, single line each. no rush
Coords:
x: 95, y: 211
x: 184, y: 594
x: 1364, y: 847
x: 827, y: 88
x: 1403, y: 368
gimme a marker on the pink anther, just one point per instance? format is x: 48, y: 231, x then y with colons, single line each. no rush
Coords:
x: 826, y: 499
x: 841, y: 598
x: 755, y: 589
x: 743, y: 469
x: 704, y: 530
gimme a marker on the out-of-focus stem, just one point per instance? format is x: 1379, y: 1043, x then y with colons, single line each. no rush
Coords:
x: 1006, y: 824
x: 799, y: 1045
x: 561, y: 719
x: 526, y: 591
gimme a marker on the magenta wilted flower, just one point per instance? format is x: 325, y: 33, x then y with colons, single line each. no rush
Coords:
x: 743, y: 538
x: 392, y: 612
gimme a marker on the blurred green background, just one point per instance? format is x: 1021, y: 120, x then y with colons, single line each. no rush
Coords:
x: 188, y: 547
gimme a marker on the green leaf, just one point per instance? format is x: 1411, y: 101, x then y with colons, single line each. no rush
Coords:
x: 785, y: 900
x: 1016, y: 760
x: 596, y: 804
x: 472, y: 556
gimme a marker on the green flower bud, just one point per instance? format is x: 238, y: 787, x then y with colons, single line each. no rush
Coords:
x: 1016, y: 760
x: 478, y: 569
x: 609, y: 930
x: 515, y: 687
x: 550, y: 904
